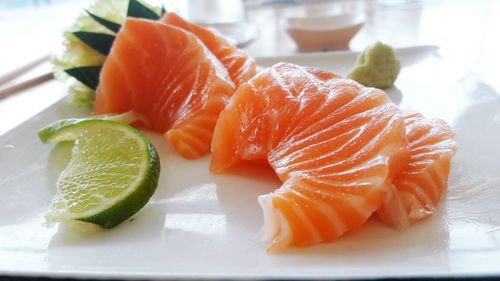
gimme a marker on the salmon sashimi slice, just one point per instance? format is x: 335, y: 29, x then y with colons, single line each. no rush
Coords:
x: 416, y: 191
x: 333, y: 143
x: 170, y: 77
x: 240, y: 65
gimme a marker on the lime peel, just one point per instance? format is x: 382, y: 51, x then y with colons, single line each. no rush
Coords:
x: 113, y: 172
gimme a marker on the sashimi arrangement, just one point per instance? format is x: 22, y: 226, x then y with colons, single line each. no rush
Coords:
x: 343, y: 152
x: 166, y: 74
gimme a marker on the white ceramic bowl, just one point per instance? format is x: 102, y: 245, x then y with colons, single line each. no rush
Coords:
x: 323, y: 33
x: 241, y: 34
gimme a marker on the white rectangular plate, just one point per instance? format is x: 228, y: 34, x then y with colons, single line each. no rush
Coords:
x: 200, y: 225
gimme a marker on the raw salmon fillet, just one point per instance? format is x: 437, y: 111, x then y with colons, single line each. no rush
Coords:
x: 416, y: 191
x: 170, y: 77
x: 334, y: 144
x: 240, y: 65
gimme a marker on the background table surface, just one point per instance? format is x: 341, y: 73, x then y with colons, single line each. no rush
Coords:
x: 466, y: 31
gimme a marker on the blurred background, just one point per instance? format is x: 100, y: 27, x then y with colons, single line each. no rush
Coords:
x: 463, y: 29
x: 466, y: 31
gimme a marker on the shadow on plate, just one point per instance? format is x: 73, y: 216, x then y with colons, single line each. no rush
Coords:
x: 237, y: 191
x: 394, y: 94
x: 474, y: 180
x: 245, y: 215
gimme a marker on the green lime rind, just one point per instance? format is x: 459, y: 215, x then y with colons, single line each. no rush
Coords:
x: 55, y: 132
x: 99, y: 198
x: 52, y: 133
x: 133, y: 202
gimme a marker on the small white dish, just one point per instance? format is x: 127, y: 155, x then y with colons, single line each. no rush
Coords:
x: 241, y: 34
x: 323, y: 33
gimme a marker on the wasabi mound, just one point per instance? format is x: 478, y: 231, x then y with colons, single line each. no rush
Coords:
x: 377, y: 66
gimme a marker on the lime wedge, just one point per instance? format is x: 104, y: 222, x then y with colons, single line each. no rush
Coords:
x: 112, y: 173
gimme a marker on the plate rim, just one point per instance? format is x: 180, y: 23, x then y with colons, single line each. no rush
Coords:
x: 62, y: 273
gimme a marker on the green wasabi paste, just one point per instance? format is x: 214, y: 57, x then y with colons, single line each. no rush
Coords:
x: 377, y: 66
